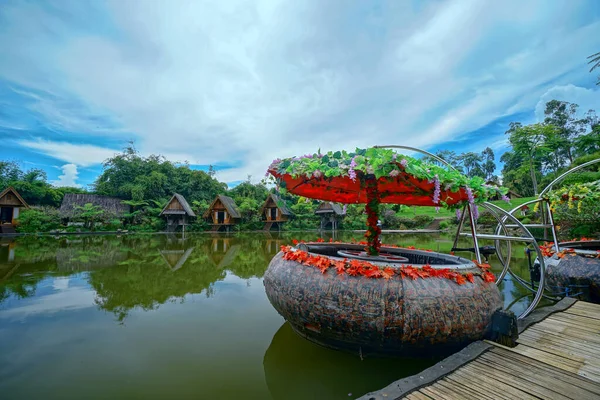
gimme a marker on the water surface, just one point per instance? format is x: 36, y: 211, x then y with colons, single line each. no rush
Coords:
x: 159, y: 316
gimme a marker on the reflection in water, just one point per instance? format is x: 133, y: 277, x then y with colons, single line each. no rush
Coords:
x: 119, y: 302
x: 298, y: 369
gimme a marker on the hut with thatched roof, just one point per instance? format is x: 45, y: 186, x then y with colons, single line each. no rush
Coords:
x: 222, y: 213
x: 178, y: 212
x: 274, y: 212
x: 11, y: 204
x: 112, y: 206
x: 331, y: 215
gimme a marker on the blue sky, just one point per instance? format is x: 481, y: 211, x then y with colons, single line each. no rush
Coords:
x: 239, y: 83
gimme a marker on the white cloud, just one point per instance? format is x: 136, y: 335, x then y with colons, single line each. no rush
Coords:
x: 68, y: 177
x: 79, y: 154
x: 210, y: 82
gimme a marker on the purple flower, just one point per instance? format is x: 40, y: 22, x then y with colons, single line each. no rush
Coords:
x: 370, y: 170
x: 437, y: 192
x: 317, y: 174
x: 404, y: 163
x: 351, y: 172
x: 345, y: 208
x: 394, y: 156
x: 506, y: 198
x: 458, y: 214
x: 470, y: 195
x: 437, y: 209
x: 394, y: 173
x: 475, y: 212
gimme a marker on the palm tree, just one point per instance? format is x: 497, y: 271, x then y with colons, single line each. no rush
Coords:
x: 595, y: 61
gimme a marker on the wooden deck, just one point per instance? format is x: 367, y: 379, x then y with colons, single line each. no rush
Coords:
x: 557, y: 358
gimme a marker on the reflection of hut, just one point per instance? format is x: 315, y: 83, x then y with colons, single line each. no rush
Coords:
x: 11, y: 204
x: 176, y: 258
x: 177, y: 212
x: 222, y: 252
x: 331, y: 215
x: 222, y: 213
x: 274, y: 212
x: 111, y: 205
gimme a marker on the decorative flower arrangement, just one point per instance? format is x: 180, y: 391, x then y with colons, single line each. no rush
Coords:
x: 369, y: 270
x: 375, y: 176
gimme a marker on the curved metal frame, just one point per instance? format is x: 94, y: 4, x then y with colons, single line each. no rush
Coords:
x: 418, y: 151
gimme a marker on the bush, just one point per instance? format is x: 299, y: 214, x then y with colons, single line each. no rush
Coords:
x: 41, y: 219
x: 445, y: 224
x: 423, y: 220
x: 525, y: 221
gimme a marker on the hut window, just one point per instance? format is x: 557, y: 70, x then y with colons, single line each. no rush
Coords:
x: 8, y: 196
x: 273, y: 213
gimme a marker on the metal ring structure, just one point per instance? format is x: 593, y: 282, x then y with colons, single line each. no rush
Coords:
x: 528, y: 238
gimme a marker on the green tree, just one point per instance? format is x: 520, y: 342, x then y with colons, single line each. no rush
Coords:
x: 488, y: 165
x: 563, y: 115
x: 472, y: 164
x: 528, y: 143
x: 88, y: 214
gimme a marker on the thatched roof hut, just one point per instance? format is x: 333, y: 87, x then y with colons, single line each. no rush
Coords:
x: 331, y: 214
x: 177, y: 211
x: 178, y: 205
x: 274, y: 212
x: 223, y: 212
x: 11, y: 204
x: 111, y: 205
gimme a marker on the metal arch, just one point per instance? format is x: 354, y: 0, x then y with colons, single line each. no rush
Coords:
x: 541, y: 285
x: 504, y: 261
x: 418, y: 151
x: 562, y: 176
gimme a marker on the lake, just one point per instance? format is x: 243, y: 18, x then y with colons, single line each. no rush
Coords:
x: 159, y: 316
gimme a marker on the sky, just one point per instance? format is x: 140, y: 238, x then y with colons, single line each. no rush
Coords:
x: 236, y: 84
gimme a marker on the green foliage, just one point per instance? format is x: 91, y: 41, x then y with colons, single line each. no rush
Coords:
x: 423, y: 220
x: 445, y: 224
x: 132, y: 177
x: 42, y: 219
x: 32, y: 185
x: 381, y: 163
x: 89, y: 214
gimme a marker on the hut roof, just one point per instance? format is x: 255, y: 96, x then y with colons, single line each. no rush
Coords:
x: 15, y: 193
x: 229, y: 204
x: 186, y: 207
x: 112, y: 205
x: 329, y: 208
x: 279, y: 203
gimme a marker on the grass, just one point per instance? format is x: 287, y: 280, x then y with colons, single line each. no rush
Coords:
x: 445, y: 213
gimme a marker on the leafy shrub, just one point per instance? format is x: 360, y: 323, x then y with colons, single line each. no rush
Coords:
x: 41, y: 219
x: 526, y: 221
x: 423, y: 220
x: 445, y: 224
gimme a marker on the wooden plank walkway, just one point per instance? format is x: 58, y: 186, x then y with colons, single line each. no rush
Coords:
x: 557, y: 358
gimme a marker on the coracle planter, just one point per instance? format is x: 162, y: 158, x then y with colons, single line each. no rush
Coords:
x: 430, y: 303
x: 575, y: 271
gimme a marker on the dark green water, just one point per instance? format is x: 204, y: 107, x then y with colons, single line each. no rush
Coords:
x: 159, y: 317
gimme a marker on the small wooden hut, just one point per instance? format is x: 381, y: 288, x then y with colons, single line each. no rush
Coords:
x: 331, y: 215
x: 222, y: 213
x: 111, y: 205
x: 11, y: 204
x: 178, y: 212
x: 274, y: 212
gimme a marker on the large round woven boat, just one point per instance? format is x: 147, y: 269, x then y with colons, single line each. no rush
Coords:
x: 396, y: 316
x: 576, y: 270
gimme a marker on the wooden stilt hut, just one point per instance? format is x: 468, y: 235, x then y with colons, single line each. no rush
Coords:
x: 331, y: 215
x: 178, y: 213
x: 274, y: 212
x: 11, y: 204
x: 222, y: 213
